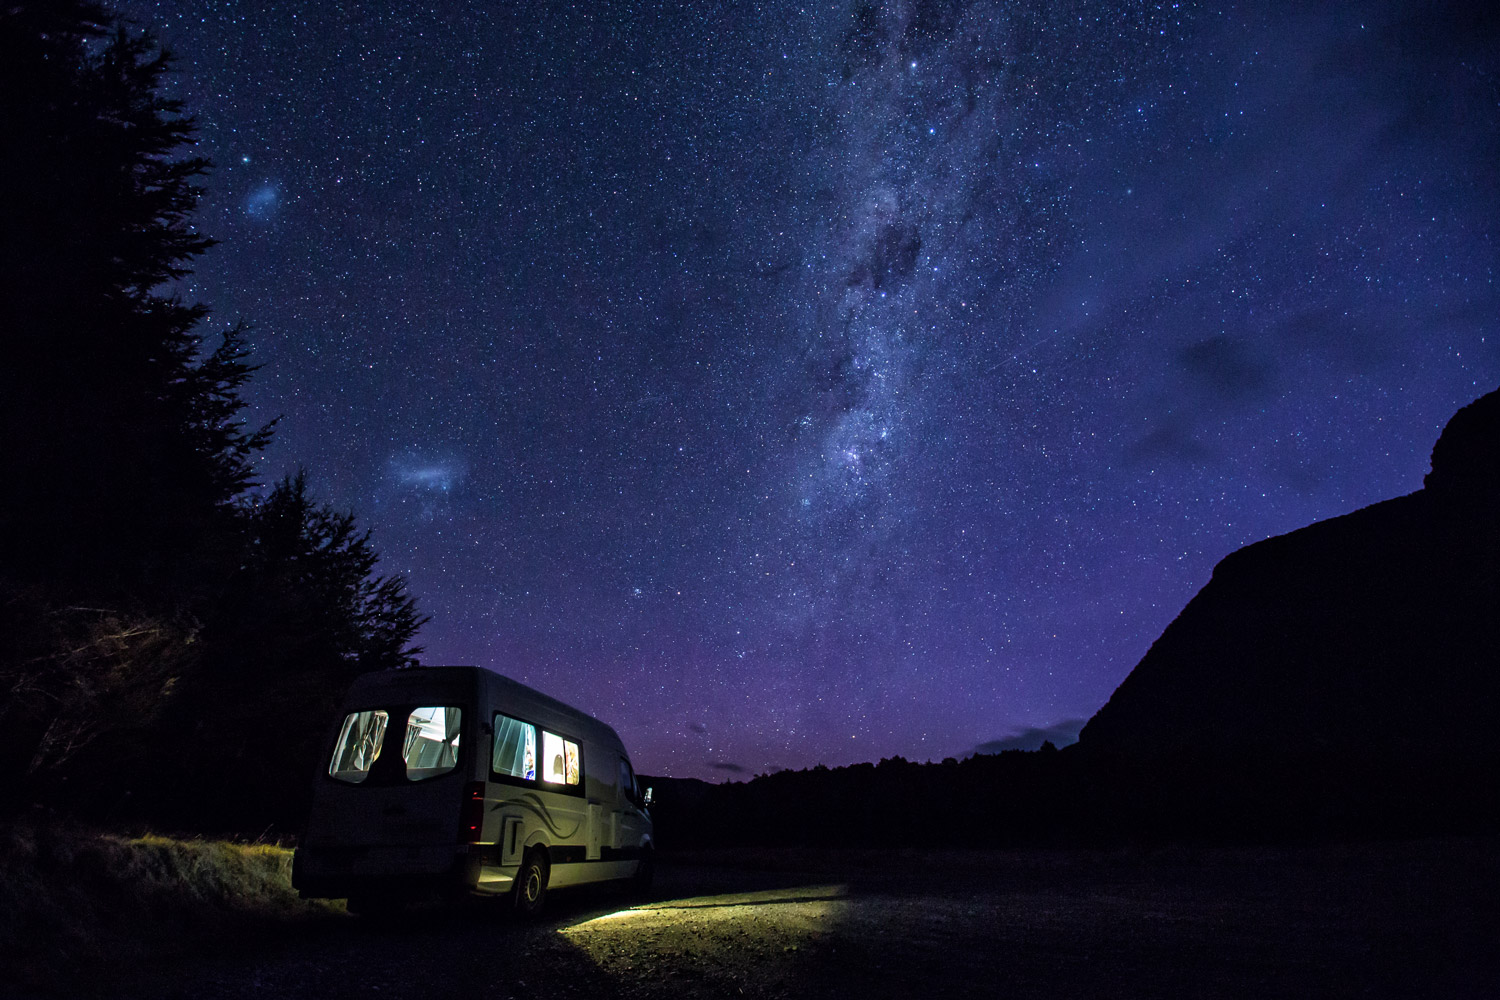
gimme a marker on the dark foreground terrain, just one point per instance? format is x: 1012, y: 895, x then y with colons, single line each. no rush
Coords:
x: 1385, y: 920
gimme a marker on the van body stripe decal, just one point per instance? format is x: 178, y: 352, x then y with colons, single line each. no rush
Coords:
x: 533, y: 803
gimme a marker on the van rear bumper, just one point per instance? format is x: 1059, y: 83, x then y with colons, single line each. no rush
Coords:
x: 342, y: 872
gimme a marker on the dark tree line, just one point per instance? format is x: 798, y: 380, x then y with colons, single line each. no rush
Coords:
x: 1077, y: 798
x: 170, y: 637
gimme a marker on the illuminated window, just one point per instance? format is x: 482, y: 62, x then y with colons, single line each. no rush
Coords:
x: 560, y: 764
x: 515, y: 748
x: 358, y: 746
x: 431, y: 747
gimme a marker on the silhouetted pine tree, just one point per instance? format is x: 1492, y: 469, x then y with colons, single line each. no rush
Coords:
x: 155, y: 624
x: 304, y: 615
x: 125, y: 450
x: 309, y: 575
x: 119, y: 440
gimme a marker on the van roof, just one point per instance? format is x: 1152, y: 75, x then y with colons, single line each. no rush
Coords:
x: 538, y: 707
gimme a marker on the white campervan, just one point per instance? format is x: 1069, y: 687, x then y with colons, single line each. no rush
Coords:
x: 459, y: 779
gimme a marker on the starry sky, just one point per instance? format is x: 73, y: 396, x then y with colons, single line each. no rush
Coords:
x: 797, y: 383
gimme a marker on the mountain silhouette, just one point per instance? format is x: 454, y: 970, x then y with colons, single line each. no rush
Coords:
x: 1344, y: 676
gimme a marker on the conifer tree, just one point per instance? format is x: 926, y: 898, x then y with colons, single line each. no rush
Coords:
x: 305, y: 613
x: 153, y: 610
x: 125, y: 447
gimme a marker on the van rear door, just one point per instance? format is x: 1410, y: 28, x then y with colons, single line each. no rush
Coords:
x: 393, y: 793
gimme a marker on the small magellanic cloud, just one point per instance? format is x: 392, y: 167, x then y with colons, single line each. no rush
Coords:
x: 263, y: 202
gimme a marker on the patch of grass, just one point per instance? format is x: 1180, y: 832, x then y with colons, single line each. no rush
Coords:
x: 72, y: 898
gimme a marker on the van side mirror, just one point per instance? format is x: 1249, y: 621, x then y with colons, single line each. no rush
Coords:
x: 648, y: 799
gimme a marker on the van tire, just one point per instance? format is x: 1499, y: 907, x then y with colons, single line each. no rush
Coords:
x: 529, y: 894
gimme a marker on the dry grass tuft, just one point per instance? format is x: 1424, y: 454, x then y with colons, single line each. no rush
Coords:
x: 72, y: 898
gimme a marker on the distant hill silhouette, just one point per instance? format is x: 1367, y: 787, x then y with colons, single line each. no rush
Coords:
x: 1342, y: 677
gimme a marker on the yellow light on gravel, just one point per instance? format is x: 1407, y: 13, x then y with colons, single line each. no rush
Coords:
x: 802, y: 897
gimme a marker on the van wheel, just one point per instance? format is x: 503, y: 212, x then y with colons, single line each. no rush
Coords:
x: 530, y: 892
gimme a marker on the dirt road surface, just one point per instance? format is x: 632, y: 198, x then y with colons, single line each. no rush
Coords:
x: 1393, y: 920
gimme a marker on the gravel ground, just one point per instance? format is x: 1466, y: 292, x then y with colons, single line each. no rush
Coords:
x: 1393, y: 920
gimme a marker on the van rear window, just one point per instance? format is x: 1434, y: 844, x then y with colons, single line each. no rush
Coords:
x: 515, y: 748
x: 358, y: 746
x: 431, y: 746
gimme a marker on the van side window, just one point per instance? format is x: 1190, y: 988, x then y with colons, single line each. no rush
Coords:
x: 358, y: 746
x: 560, y: 763
x: 627, y: 780
x: 431, y: 746
x: 515, y: 748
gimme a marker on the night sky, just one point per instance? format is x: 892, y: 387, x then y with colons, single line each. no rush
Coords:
x: 816, y: 383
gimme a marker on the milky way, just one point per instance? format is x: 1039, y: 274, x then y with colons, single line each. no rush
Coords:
x: 790, y: 384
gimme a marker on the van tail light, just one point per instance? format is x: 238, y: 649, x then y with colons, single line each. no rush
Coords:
x: 471, y: 818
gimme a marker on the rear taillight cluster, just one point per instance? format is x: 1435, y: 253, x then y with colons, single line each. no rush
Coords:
x: 471, y: 819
